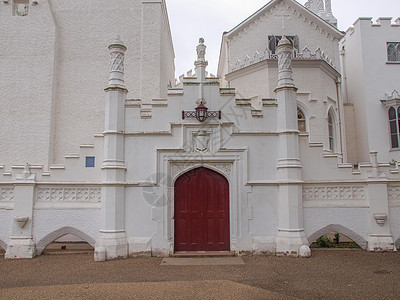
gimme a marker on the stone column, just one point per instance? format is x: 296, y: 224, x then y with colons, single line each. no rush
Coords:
x: 290, y: 237
x: 112, y: 242
x: 380, y: 237
x: 21, y: 243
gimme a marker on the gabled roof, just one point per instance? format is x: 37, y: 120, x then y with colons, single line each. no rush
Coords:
x: 331, y: 29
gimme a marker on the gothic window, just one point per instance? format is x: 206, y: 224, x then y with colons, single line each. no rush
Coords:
x: 393, y: 51
x: 331, y: 131
x: 394, y: 124
x: 301, y: 120
x: 273, y: 41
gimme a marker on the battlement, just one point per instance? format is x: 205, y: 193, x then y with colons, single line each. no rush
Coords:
x: 383, y: 22
x: 190, y: 74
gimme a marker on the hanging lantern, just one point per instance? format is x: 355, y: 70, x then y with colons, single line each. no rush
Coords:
x: 201, y: 113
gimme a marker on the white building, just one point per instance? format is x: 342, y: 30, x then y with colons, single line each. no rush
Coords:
x: 264, y: 169
x: 371, y: 58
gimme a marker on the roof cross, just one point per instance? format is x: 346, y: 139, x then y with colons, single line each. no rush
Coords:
x: 282, y: 13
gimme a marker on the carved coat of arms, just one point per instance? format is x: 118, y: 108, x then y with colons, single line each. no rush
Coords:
x: 202, y: 142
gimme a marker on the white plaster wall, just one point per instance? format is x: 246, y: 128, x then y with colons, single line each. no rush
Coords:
x: 138, y: 210
x: 368, y: 78
x: 262, y: 156
x: 157, y: 54
x: 141, y: 160
x: 47, y: 221
x: 351, y: 137
x: 86, y: 30
x: 355, y: 94
x: 27, y: 83
x: 394, y: 215
x: 354, y: 219
x: 141, y: 149
x: 6, y: 219
x: 315, y: 165
x: 56, y: 65
x: 167, y: 70
x: 262, y: 204
x: 317, y: 92
x: 254, y: 83
x: 380, y: 78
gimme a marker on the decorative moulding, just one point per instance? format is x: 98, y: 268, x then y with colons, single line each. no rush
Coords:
x: 304, y: 56
x: 86, y: 146
x: 180, y: 168
x: 380, y: 219
x: 391, y: 99
x: 394, y: 95
x: 21, y: 221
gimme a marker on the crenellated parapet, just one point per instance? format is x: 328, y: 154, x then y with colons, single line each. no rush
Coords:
x: 190, y: 74
x: 382, y: 22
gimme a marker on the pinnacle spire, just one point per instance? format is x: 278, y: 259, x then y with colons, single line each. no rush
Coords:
x: 322, y: 8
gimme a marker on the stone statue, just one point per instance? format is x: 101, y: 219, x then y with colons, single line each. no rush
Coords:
x: 201, y: 50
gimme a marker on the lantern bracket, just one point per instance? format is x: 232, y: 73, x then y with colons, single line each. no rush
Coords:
x: 201, y: 113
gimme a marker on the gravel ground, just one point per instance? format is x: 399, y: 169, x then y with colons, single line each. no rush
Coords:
x: 327, y: 275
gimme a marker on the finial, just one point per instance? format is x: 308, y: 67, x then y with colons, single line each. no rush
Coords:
x: 284, y: 41
x: 117, y: 56
x: 117, y: 42
x: 201, y: 40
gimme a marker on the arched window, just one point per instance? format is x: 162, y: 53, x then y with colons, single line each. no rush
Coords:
x: 393, y: 124
x: 301, y: 120
x: 393, y: 50
x: 331, y: 131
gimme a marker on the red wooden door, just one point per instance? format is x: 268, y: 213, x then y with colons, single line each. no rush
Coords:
x: 202, y: 211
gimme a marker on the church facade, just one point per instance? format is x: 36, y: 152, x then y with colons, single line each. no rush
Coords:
x: 275, y: 151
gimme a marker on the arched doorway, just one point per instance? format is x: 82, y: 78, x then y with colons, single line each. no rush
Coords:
x: 202, y: 211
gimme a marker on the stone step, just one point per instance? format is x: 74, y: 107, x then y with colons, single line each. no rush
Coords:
x: 184, y: 254
x: 67, y: 252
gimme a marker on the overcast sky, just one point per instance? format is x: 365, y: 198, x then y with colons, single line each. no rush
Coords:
x: 191, y: 19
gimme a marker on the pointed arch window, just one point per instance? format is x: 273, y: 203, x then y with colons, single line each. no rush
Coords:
x: 273, y: 41
x: 331, y: 131
x: 394, y: 124
x: 301, y: 121
x: 393, y: 51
